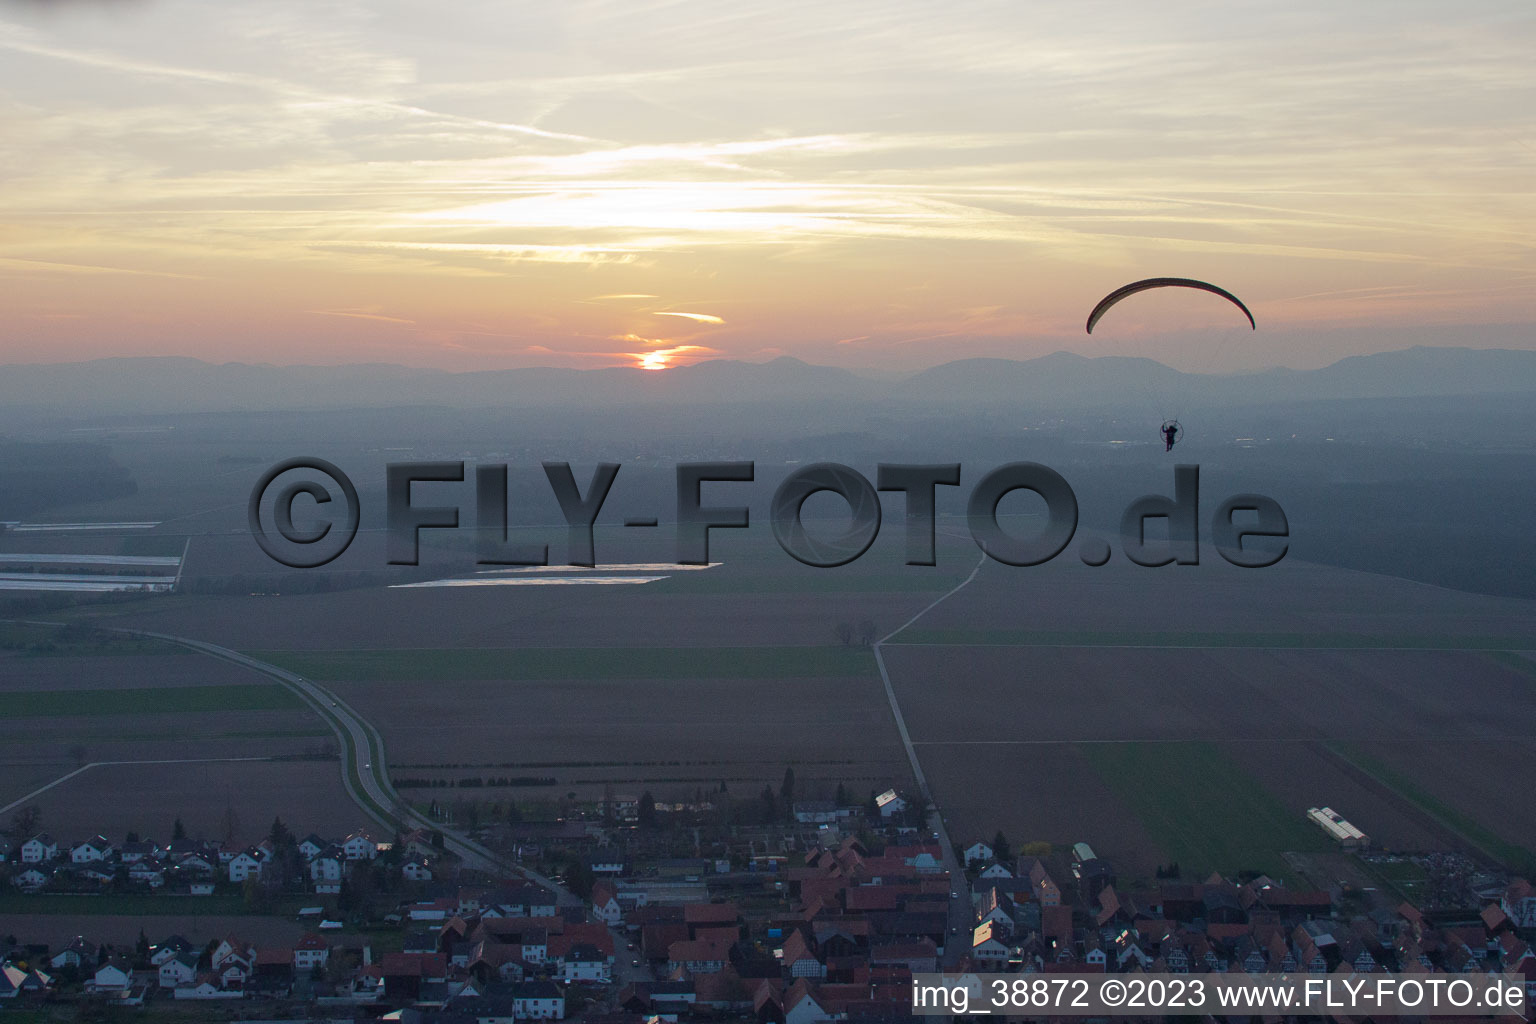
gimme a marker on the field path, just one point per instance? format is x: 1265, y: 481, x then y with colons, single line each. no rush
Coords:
x: 960, y: 914
x: 890, y: 692
x: 364, y: 772
x: 113, y: 764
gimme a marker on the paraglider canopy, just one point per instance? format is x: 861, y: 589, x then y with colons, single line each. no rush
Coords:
x: 1163, y: 282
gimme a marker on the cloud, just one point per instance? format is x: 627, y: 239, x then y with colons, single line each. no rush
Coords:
x: 358, y: 315
x: 703, y: 318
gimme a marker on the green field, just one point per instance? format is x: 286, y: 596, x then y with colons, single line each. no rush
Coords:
x: 148, y: 700
x: 1196, y: 639
x: 1202, y: 809
x: 575, y: 663
x: 1511, y: 855
x: 30, y: 640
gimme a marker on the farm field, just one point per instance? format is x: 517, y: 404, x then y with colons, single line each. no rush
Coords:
x: 1214, y: 738
x: 1204, y: 810
x: 148, y: 798
x: 672, y: 734
x: 108, y: 705
x: 573, y: 663
x: 498, y: 617
x: 633, y: 687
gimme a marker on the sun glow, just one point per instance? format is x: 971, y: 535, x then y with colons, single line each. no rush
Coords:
x: 663, y: 358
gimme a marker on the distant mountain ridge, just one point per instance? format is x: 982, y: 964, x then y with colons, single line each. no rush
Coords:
x: 159, y: 385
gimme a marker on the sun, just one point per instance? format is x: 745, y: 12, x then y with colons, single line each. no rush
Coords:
x: 665, y: 358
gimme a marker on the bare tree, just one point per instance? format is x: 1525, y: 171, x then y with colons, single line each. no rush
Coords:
x: 229, y: 824
x: 844, y: 631
x: 25, y: 822
x: 867, y: 632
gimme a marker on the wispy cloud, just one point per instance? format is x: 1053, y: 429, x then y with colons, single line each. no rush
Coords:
x: 703, y: 318
x: 356, y: 315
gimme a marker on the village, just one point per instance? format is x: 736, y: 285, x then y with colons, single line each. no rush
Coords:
x: 823, y: 914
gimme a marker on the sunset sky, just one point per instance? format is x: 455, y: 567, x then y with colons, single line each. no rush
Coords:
x: 882, y: 186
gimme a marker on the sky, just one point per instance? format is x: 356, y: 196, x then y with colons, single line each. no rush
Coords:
x: 882, y: 186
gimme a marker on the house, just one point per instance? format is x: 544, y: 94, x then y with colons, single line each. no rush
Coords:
x: 997, y: 907
x: 995, y: 870
x: 326, y: 866
x: 360, y: 846
x: 406, y: 973
x: 78, y: 953
x: 989, y: 943
x: 890, y: 804
x: 114, y: 976
x: 815, y: 812
x: 367, y: 984
x: 146, y: 872
x: 178, y: 970
x: 698, y: 956
x: 519, y: 901
x: 583, y: 962
x: 244, y: 865
x: 1518, y: 903
x: 416, y: 871
x: 311, y: 846
x: 132, y: 853
x: 498, y: 1009
x: 232, y: 951
x: 978, y: 851
x: 606, y: 860
x: 420, y: 843
x: 99, y: 873
x: 171, y: 947
x: 538, y: 1000
x: 432, y: 910
x: 798, y: 959
x: 39, y: 849
x: 93, y: 850
x: 15, y: 982
x: 197, y: 864
x: 200, y: 889
x: 310, y: 952
x: 801, y: 1005
x: 1041, y: 885
x: 30, y: 880
x: 605, y: 904
x: 235, y: 974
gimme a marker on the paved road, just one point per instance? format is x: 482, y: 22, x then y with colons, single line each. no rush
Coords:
x: 957, y: 940
x: 364, y: 771
x: 625, y: 971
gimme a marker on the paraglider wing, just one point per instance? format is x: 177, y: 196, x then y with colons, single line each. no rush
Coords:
x: 1163, y: 282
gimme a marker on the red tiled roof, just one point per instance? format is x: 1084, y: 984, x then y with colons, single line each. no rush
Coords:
x: 711, y: 913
